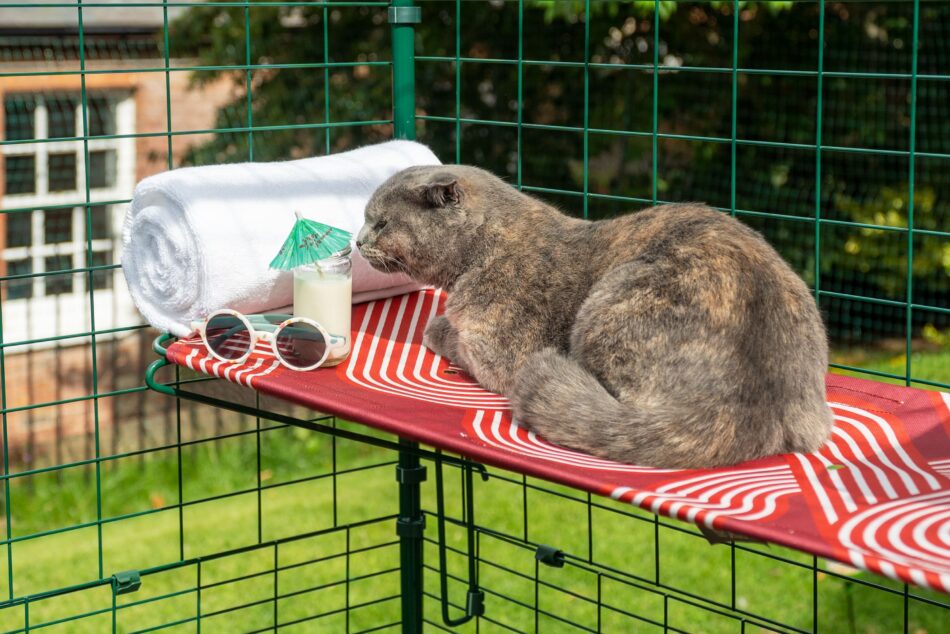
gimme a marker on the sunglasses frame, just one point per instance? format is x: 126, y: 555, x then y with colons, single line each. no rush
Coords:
x: 254, y: 325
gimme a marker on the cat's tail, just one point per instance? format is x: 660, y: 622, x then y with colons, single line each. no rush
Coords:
x: 563, y: 402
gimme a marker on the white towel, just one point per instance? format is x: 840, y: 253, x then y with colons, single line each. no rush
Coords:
x: 198, y: 239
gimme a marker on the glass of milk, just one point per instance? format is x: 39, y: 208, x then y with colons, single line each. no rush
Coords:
x: 323, y: 291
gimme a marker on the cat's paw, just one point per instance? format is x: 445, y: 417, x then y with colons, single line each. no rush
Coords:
x: 439, y: 336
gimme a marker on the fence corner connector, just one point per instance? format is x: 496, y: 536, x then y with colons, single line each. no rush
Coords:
x: 405, y: 15
x: 126, y: 582
x: 549, y: 556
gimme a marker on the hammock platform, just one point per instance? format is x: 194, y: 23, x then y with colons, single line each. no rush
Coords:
x: 876, y: 496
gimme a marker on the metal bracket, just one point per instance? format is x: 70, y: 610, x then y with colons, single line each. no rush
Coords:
x: 475, y: 603
x: 410, y: 528
x: 405, y: 15
x: 475, y: 599
x: 126, y: 582
x: 410, y: 475
x: 550, y: 556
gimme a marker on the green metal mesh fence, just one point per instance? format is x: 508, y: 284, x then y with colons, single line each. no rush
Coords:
x: 823, y: 125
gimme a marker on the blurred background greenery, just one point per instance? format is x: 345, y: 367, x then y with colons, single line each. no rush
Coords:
x: 864, y: 120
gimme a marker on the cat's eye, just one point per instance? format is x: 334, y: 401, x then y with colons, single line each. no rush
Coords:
x: 380, y: 224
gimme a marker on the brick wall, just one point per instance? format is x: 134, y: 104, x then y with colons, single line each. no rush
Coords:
x: 38, y: 375
x: 192, y: 109
x: 56, y: 383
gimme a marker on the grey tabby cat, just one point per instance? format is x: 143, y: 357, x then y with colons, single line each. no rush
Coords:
x: 673, y: 337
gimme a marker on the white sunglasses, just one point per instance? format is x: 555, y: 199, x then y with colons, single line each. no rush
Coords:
x: 299, y: 343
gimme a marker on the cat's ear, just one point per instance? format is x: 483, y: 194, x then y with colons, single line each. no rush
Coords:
x: 442, y: 190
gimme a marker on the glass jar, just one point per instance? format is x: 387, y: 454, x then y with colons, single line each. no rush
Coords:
x: 323, y: 292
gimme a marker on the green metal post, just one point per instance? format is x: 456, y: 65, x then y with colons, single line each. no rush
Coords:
x: 411, y: 522
x: 410, y: 526
x: 403, y: 17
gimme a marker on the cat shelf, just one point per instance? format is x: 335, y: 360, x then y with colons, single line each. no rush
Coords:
x: 876, y: 496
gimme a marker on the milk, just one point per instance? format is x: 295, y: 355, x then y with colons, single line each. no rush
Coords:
x: 326, y: 298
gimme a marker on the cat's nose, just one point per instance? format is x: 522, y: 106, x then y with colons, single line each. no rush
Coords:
x: 361, y: 237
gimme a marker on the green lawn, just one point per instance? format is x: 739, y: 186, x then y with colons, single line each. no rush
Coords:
x: 224, y: 510
x: 929, y: 361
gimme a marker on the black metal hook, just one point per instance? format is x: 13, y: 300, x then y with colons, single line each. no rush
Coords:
x: 475, y: 599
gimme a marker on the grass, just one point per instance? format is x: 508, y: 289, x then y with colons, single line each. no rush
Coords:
x: 254, y: 487
x: 930, y: 361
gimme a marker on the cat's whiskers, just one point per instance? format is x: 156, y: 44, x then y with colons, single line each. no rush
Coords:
x: 387, y: 262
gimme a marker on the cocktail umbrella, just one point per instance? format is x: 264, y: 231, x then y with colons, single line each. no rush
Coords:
x: 308, y: 242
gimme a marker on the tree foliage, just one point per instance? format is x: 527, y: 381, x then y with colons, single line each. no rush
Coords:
x: 776, y: 114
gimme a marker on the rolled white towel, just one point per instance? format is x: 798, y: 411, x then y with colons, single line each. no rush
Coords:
x: 198, y: 239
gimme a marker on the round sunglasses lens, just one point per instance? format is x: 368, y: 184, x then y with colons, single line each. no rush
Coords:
x: 301, y: 345
x: 227, y: 336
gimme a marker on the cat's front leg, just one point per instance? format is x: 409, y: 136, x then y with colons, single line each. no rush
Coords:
x: 477, y: 356
x: 443, y: 339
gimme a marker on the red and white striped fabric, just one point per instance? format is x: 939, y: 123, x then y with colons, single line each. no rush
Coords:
x: 876, y: 496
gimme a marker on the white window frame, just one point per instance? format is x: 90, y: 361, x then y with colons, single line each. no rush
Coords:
x: 47, y: 316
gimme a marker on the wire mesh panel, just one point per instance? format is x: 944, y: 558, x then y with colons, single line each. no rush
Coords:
x: 552, y: 559
x: 806, y: 120
x: 125, y: 510
x: 823, y: 125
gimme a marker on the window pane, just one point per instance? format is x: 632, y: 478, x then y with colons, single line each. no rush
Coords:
x: 101, y: 116
x: 102, y: 168
x: 101, y: 229
x: 20, y: 175
x: 58, y: 226
x: 22, y: 288
x: 61, y: 111
x: 102, y: 279
x: 19, y: 117
x: 19, y: 229
x: 58, y: 284
x: 62, y: 172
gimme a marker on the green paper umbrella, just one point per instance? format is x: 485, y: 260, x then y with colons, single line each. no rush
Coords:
x: 308, y: 242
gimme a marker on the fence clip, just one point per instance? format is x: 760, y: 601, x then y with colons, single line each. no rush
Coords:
x: 126, y: 582
x: 410, y: 475
x: 405, y: 15
x: 406, y: 527
x: 475, y: 603
x: 550, y: 556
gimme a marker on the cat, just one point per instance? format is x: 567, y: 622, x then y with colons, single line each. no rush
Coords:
x: 674, y: 337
